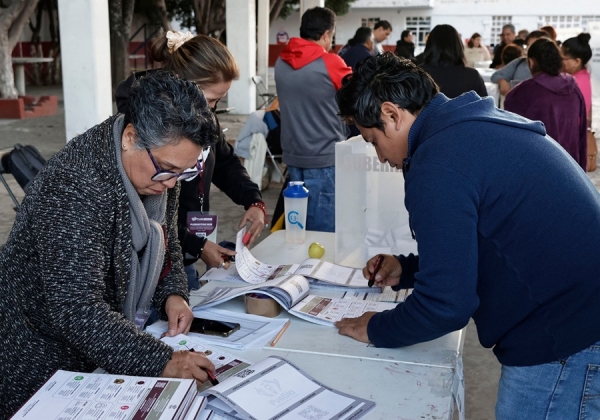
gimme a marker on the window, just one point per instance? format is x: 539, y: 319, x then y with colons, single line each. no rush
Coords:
x: 370, y: 22
x: 567, y: 22
x: 497, y: 23
x: 420, y: 26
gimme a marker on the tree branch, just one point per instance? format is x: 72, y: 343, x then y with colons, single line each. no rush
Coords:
x: 25, y: 10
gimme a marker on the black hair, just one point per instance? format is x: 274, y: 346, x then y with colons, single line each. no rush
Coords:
x: 382, y: 78
x: 165, y: 109
x: 546, y: 56
x: 444, y: 47
x: 364, y: 32
x: 405, y: 33
x: 383, y: 24
x: 578, y: 47
x: 315, y: 22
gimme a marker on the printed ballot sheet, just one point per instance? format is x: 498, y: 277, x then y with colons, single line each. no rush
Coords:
x: 253, y: 271
x: 326, y: 311
x: 276, y: 389
x: 91, y: 396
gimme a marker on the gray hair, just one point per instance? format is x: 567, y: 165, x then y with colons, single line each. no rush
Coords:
x: 165, y: 109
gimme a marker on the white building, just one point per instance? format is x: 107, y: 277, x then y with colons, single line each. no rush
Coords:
x: 468, y: 16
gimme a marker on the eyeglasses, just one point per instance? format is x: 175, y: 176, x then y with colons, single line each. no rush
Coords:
x: 161, y: 175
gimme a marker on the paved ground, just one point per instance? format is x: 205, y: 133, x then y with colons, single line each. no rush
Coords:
x: 48, y: 135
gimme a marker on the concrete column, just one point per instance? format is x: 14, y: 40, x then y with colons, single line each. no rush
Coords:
x: 85, y: 54
x: 309, y: 4
x: 241, y: 41
x: 263, y: 41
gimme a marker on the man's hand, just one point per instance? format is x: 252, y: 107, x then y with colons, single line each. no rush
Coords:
x: 214, y: 255
x: 179, y: 314
x: 503, y: 87
x: 388, y: 274
x: 256, y: 218
x: 356, y: 327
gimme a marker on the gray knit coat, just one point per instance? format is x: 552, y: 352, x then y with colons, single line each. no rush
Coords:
x: 64, y: 273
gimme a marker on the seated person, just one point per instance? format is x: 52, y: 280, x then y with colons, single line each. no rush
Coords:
x: 95, y: 244
x: 553, y: 98
x: 516, y: 70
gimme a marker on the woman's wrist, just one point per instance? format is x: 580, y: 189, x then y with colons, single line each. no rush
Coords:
x: 263, y: 207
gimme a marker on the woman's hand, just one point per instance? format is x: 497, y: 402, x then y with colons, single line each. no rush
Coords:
x: 388, y: 274
x: 214, y: 255
x: 188, y: 365
x: 503, y: 87
x: 179, y: 314
x: 256, y: 217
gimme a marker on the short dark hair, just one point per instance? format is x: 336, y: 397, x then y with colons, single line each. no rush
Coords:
x: 315, y: 22
x: 165, y: 109
x: 405, y: 33
x: 383, y: 24
x: 578, y: 47
x: 382, y: 78
x: 546, y: 56
x: 444, y: 47
x: 510, y: 52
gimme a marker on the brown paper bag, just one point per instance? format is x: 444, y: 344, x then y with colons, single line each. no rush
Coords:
x: 592, y: 152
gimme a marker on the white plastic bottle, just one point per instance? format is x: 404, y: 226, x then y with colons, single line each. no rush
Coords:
x: 295, y: 201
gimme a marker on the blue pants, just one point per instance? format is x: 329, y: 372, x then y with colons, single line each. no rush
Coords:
x: 321, y: 196
x: 563, y: 390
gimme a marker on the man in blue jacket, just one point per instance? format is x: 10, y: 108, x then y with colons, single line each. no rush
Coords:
x: 508, y: 232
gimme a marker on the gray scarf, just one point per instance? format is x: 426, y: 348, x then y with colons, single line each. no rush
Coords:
x: 147, y: 238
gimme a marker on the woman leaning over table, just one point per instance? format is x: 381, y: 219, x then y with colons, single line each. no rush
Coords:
x: 95, y: 243
x: 209, y: 63
x: 576, y: 54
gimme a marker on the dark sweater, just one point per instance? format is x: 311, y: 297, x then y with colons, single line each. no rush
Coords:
x: 64, y: 273
x: 456, y: 80
x: 222, y: 167
x: 353, y: 55
x: 508, y: 228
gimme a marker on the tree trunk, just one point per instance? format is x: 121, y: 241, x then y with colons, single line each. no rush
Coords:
x: 12, y: 21
x: 161, y: 8
x: 120, y: 17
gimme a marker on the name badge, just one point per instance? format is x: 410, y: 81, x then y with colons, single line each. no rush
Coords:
x: 203, y: 225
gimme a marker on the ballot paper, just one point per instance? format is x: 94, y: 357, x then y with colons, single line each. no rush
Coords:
x: 276, y: 389
x: 86, y: 396
x: 226, y: 364
x: 255, y: 272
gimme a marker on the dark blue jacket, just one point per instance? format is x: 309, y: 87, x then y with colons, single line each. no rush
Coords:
x: 508, y: 232
x: 353, y: 55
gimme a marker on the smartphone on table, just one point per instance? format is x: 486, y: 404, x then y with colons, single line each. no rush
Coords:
x: 212, y: 327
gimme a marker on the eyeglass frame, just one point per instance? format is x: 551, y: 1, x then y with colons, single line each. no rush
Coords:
x: 180, y: 176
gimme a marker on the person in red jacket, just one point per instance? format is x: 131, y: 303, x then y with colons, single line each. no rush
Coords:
x: 307, y: 78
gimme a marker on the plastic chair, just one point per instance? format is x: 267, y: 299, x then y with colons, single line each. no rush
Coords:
x: 262, y: 92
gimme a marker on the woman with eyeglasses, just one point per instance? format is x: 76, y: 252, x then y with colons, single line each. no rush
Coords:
x: 209, y: 63
x: 95, y: 244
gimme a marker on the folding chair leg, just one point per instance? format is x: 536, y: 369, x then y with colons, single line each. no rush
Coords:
x: 275, y: 164
x: 10, y: 193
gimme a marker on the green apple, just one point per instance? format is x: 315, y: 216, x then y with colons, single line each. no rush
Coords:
x: 316, y: 250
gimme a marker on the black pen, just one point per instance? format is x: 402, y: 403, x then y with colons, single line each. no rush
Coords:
x: 377, y: 267
x: 211, y: 376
